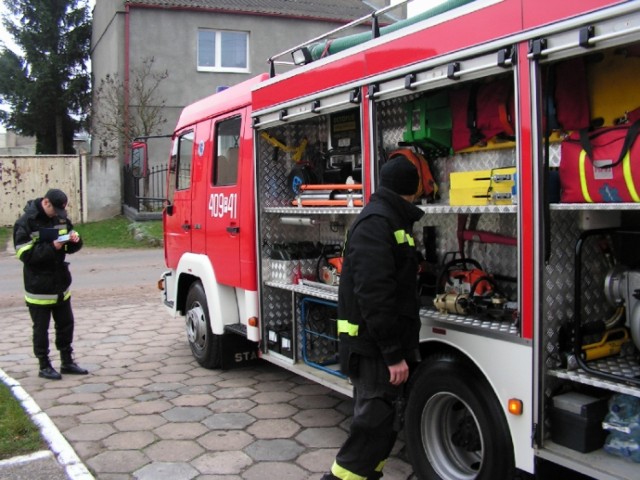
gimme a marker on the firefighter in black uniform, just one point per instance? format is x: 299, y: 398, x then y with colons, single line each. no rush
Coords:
x: 47, y: 277
x: 378, y: 326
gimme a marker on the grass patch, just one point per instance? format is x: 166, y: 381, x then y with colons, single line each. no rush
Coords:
x: 18, y: 434
x: 119, y: 232
x: 5, y: 234
x: 116, y: 232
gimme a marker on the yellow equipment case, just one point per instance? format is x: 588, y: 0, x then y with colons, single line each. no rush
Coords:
x: 483, y: 187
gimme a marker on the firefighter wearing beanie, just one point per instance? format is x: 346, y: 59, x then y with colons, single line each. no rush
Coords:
x: 378, y: 319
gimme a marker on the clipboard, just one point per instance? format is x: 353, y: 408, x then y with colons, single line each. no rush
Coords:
x: 48, y: 234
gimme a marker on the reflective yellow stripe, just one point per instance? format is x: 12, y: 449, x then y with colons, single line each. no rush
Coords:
x: 345, y: 474
x: 23, y: 248
x: 403, y: 237
x: 41, y: 299
x: 380, y: 466
x: 628, y: 177
x: 583, y: 177
x: 349, y: 328
x: 626, y: 169
x: 34, y: 301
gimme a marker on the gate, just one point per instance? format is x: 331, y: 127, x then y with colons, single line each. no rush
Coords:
x: 144, y: 194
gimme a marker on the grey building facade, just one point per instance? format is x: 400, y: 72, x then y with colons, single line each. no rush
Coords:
x: 205, y: 45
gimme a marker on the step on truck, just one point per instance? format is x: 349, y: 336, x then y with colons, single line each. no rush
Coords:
x: 522, y: 115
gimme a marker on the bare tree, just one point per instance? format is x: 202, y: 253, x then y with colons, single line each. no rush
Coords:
x: 117, y: 121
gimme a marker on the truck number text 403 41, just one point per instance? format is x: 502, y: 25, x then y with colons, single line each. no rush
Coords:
x: 221, y: 205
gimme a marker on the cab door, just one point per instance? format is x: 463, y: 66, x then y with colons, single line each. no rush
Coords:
x: 223, y: 223
x: 201, y: 177
x: 177, y: 214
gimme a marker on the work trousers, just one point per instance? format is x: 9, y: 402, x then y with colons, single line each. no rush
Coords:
x: 63, y: 323
x: 372, y: 433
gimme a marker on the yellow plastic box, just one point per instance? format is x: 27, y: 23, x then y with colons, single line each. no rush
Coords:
x: 482, y: 187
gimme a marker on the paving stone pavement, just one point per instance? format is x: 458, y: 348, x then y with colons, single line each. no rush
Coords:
x: 148, y: 411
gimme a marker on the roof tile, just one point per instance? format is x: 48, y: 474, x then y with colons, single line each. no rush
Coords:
x: 317, y: 9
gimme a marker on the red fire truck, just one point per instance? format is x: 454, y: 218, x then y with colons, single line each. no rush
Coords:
x: 529, y: 281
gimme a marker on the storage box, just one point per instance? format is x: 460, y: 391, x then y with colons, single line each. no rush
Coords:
x: 429, y: 118
x: 577, y: 421
x: 482, y: 187
x: 471, y: 196
x: 581, y: 404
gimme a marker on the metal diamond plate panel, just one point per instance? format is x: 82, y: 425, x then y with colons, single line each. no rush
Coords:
x: 623, y: 366
x: 276, y: 312
x: 467, y: 321
x: 326, y: 292
x: 558, y: 306
x: 325, y: 231
x: 554, y: 155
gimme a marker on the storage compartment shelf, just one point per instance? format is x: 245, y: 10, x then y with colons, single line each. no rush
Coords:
x: 595, y: 206
x: 627, y: 367
x: 312, y: 289
x: 429, y: 208
x: 440, y: 209
x: 328, y: 292
x: 466, y: 322
x: 314, y: 210
x: 598, y: 464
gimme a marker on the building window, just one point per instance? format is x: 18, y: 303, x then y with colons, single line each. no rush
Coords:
x: 223, y: 51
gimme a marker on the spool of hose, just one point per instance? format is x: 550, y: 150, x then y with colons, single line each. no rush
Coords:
x: 300, y: 175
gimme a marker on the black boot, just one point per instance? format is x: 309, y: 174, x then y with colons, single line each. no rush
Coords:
x: 69, y: 366
x: 47, y: 371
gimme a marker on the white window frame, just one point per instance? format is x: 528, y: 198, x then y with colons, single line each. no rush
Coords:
x: 218, y: 52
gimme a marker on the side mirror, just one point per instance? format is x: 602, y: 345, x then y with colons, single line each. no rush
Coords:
x: 139, y: 159
x: 169, y: 209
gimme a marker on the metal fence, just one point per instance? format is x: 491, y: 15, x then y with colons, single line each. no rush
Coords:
x: 146, y: 193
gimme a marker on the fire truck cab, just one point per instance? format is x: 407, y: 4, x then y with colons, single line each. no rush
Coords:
x: 266, y: 177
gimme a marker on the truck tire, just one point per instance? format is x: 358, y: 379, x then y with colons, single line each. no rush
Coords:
x: 454, y: 426
x: 205, y: 346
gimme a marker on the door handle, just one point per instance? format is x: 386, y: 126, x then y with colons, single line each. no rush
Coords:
x: 233, y: 230
x: 186, y: 227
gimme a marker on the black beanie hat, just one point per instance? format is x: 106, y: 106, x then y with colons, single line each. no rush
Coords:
x: 400, y: 175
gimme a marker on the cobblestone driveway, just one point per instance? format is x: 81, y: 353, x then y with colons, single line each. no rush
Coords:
x: 148, y: 411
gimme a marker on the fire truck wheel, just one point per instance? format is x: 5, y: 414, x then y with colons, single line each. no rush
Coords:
x: 454, y: 427
x: 205, y: 346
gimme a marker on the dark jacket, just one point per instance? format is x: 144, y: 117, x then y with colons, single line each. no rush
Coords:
x: 378, y: 283
x: 46, y: 274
